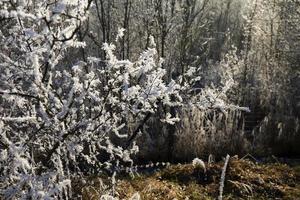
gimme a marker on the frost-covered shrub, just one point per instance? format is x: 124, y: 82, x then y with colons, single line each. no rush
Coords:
x: 57, y: 119
x: 217, y: 130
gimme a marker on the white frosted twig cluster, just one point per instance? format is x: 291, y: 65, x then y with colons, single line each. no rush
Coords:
x: 199, y: 163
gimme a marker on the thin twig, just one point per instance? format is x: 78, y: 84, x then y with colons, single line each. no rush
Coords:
x: 223, y: 177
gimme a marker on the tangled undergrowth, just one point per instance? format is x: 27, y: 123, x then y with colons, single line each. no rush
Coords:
x: 244, y: 180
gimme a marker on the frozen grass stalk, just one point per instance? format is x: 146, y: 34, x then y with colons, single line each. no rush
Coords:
x: 223, y: 178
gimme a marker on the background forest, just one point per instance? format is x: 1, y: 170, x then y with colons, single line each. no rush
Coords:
x: 256, y: 41
x: 92, y: 85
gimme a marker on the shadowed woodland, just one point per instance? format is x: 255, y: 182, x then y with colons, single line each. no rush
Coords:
x: 257, y: 42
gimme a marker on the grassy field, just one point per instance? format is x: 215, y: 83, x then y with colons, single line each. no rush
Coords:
x: 244, y: 180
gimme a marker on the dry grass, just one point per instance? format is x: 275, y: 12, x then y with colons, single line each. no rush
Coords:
x: 244, y: 180
x: 202, y: 132
x: 206, y: 132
